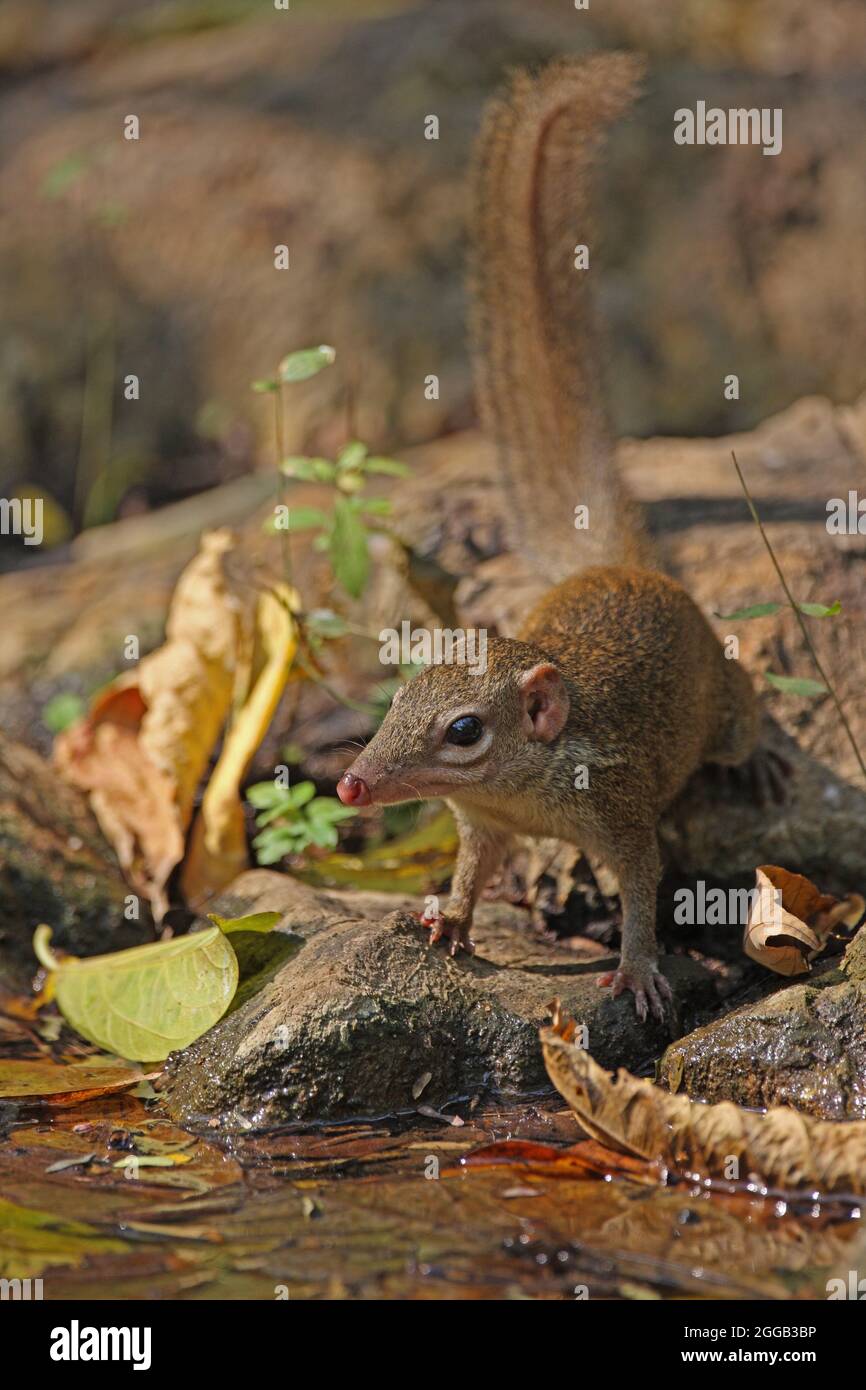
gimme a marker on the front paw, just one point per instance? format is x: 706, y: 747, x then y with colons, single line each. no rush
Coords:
x: 650, y: 988
x: 455, y: 929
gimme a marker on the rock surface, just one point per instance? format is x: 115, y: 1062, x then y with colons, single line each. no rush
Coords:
x: 56, y: 868
x: 361, y: 1010
x: 803, y: 1046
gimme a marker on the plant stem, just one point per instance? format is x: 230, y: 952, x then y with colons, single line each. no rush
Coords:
x: 800, y: 619
x: 283, y: 492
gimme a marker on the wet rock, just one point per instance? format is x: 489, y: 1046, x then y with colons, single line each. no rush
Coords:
x: 361, y: 1009
x: 804, y: 1046
x: 55, y: 867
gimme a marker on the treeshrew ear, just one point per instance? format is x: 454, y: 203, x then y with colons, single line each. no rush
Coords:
x: 545, y: 702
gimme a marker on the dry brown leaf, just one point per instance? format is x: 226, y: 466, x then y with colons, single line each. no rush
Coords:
x: 132, y: 800
x: 53, y: 1083
x: 790, y: 920
x: 218, y: 847
x: 147, y: 740
x: 778, y: 1149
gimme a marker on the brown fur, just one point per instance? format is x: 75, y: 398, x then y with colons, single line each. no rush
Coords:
x: 616, y: 671
x: 537, y: 345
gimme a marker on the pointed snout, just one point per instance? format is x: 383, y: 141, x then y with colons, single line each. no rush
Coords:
x: 353, y: 791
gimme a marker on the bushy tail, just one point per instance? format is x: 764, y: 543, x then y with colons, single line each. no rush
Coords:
x: 537, y: 343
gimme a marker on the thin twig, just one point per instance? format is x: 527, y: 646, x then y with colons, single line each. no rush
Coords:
x: 799, y: 616
x: 282, y: 484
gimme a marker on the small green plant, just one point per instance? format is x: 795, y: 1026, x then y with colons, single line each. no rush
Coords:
x: 61, y: 711
x: 290, y: 819
x: 344, y: 530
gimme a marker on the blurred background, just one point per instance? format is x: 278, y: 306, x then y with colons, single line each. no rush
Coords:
x: 305, y: 127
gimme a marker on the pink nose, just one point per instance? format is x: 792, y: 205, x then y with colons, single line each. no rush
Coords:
x: 353, y: 791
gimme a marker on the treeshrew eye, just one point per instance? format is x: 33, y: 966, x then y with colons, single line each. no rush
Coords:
x: 465, y: 730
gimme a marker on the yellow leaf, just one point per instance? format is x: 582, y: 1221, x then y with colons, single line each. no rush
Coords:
x: 218, y: 847
x: 147, y: 1001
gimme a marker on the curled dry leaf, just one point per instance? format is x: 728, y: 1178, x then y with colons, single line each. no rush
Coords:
x: 790, y: 920
x: 778, y: 1149
x: 218, y: 846
x: 146, y: 742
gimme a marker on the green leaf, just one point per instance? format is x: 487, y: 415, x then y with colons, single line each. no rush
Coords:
x: 63, y: 175
x: 254, y: 921
x: 300, y: 366
x: 301, y: 793
x: 272, y: 844
x: 757, y: 610
x: 351, y: 456
x: 112, y: 214
x: 820, y: 610
x: 325, y: 623
x: 377, y: 506
x: 308, y: 470
x: 264, y: 795
x: 145, y: 1002
x: 307, y: 518
x: 350, y: 557
x: 265, y: 384
x: 796, y: 685
x: 34, y: 1241
x: 762, y: 610
x: 392, y: 467
x: 325, y: 836
x: 328, y: 809
x: 61, y: 711
x: 416, y: 863
x: 350, y: 482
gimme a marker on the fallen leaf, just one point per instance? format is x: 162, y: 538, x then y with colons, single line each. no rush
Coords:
x: 136, y: 1161
x: 58, y: 1084
x: 149, y: 1000
x: 790, y: 920
x: 254, y: 921
x: 82, y: 1161
x: 34, y: 1241
x: 778, y: 1148
x: 796, y: 685
x: 218, y: 845
x: 148, y: 737
x: 421, y: 1084
x: 578, y: 1160
x: 429, y: 1113
x: 414, y: 863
